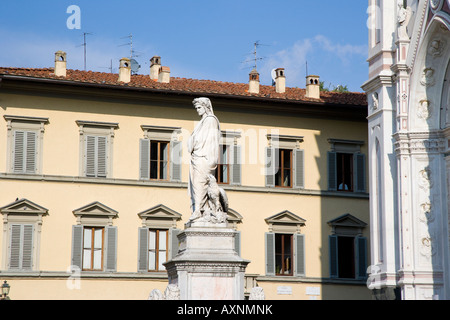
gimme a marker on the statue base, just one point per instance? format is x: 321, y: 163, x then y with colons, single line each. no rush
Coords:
x: 207, y: 266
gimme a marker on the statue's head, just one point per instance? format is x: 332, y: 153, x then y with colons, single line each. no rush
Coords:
x: 205, y: 102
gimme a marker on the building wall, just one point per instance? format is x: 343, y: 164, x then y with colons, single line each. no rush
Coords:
x: 60, y: 189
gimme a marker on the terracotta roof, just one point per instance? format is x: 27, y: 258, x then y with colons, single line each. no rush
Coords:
x: 189, y: 86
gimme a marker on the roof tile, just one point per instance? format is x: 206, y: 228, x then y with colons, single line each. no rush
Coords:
x: 190, y: 85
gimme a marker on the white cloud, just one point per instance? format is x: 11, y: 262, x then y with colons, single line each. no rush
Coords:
x: 343, y: 52
x: 295, y: 58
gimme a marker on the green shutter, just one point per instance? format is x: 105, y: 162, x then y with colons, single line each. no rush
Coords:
x: 174, y: 242
x: 270, y: 253
x: 144, y: 159
x: 143, y: 250
x: 90, y: 155
x: 19, y: 152
x: 333, y: 256
x: 360, y: 172
x: 236, y: 174
x: 299, y: 170
x: 175, y: 160
x: 96, y: 156
x: 30, y: 163
x: 102, y: 157
x: 27, y: 247
x: 332, y: 171
x: 77, y: 246
x: 111, y: 249
x: 361, y: 257
x: 299, y: 252
x: 25, y: 150
x: 270, y: 167
x: 21, y: 247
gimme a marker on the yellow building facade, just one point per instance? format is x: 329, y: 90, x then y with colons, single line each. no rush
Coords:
x: 94, y: 183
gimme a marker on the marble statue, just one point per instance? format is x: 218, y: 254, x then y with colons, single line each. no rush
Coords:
x: 208, y: 201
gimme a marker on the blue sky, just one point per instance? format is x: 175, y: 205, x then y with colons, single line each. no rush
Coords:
x: 200, y: 39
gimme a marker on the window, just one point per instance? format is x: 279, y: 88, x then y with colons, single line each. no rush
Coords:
x: 283, y: 175
x: 346, y: 166
x: 23, y: 222
x: 222, y: 172
x: 95, y: 156
x: 228, y: 169
x: 344, y: 171
x: 160, y: 154
x: 25, y: 140
x: 283, y: 254
x: 93, y: 248
x: 159, y: 160
x: 157, y: 238
x: 96, y: 148
x: 348, y: 248
x: 157, y: 249
x: 94, y: 239
x: 21, y: 247
x: 284, y: 162
x: 285, y: 245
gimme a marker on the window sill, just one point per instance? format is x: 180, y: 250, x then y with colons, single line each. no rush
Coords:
x: 179, y: 184
x: 288, y: 279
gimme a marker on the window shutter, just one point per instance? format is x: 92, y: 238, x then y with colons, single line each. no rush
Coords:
x: 15, y: 246
x: 144, y: 159
x: 143, y: 250
x: 19, y: 138
x: 27, y: 247
x: 237, y: 242
x: 270, y: 254
x: 360, y: 173
x: 175, y: 160
x: 101, y: 157
x: 332, y: 172
x: 361, y: 257
x: 236, y: 174
x: 77, y: 246
x: 111, y: 249
x: 299, y: 252
x: 270, y: 167
x: 90, y: 155
x: 174, y: 242
x: 299, y: 174
x: 30, y: 163
x: 333, y: 243
x: 21, y: 247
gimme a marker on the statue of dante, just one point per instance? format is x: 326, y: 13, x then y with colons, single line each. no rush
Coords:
x: 208, y: 201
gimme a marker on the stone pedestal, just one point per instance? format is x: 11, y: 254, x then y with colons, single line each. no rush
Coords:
x: 207, y: 267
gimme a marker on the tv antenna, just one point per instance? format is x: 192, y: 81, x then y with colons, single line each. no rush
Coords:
x: 85, y: 45
x: 255, y: 58
x: 110, y: 67
x: 135, y: 66
x: 132, y: 52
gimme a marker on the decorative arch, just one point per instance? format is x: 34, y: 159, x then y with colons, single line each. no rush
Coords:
x: 427, y: 78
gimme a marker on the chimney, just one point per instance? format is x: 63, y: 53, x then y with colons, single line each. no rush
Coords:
x: 60, y: 64
x: 280, y: 80
x: 125, y: 70
x: 312, y: 87
x: 164, y: 75
x: 253, y: 83
x: 155, y: 65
